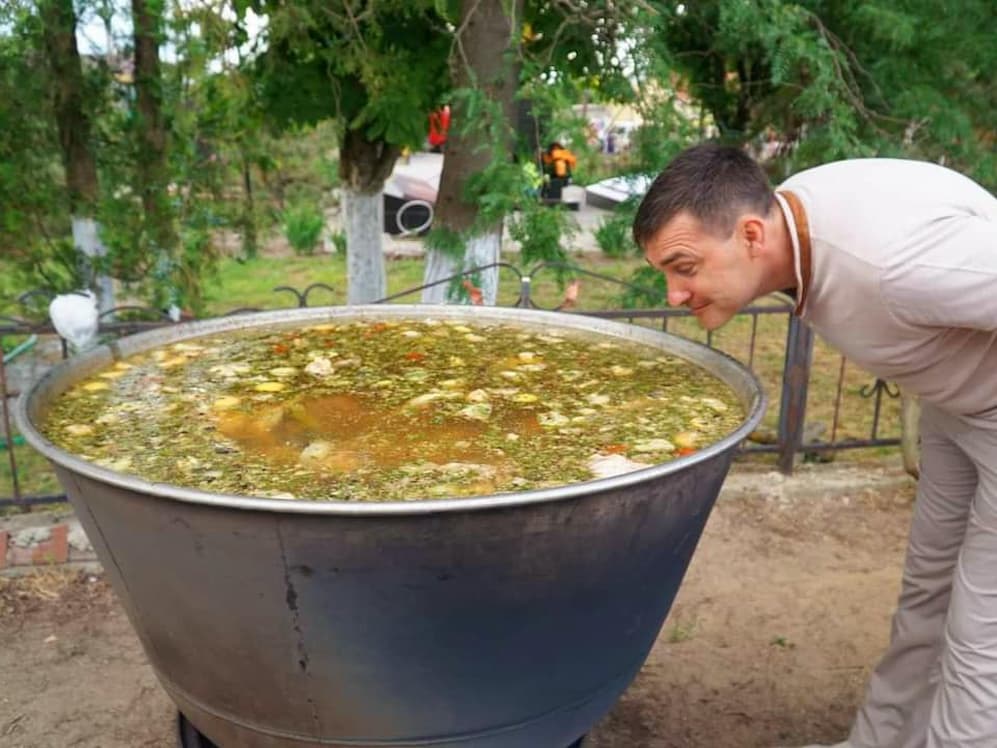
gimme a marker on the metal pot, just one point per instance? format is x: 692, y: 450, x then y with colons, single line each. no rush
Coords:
x: 512, y: 620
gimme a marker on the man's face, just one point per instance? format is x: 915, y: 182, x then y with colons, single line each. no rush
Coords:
x: 713, y: 277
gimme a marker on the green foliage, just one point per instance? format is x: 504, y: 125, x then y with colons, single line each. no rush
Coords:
x: 303, y: 224
x: 541, y: 232
x: 56, y: 268
x: 339, y: 242
x: 648, y: 289
x: 379, y: 72
x: 825, y: 81
x: 614, y: 235
x: 446, y: 241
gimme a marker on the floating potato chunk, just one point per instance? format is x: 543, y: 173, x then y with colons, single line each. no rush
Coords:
x: 527, y: 356
x: 96, y: 386
x: 621, y: 371
x: 230, y: 371
x: 597, y: 398
x: 324, y: 327
x: 108, y: 419
x: 225, y: 403
x: 353, y: 361
x: 173, y: 361
x: 79, y: 429
x: 525, y: 397
x: 325, y: 455
x: 320, y: 367
x: 472, y: 338
x: 120, y: 464
x: 112, y: 374
x: 532, y: 367
x: 270, y: 387
x: 316, y: 451
x: 711, y: 402
x: 277, y: 495
x: 188, y: 464
x: 653, y: 445
x: 451, y: 384
x: 284, y: 371
x: 553, y: 418
x: 686, y: 439
x: 477, y: 396
x: 411, y: 333
x: 607, y: 466
x: 421, y: 401
x: 477, y: 411
x: 511, y: 375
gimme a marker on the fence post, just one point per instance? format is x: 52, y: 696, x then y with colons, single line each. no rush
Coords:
x: 525, y: 285
x: 9, y: 433
x: 793, y: 402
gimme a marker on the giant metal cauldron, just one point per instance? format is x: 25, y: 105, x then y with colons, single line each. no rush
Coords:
x: 505, y: 621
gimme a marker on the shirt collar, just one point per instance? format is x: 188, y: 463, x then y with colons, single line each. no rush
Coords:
x: 799, y: 234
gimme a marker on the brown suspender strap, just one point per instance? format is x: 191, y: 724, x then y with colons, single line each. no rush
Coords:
x: 803, y: 235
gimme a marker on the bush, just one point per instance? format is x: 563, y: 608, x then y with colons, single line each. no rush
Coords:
x: 339, y: 241
x: 614, y: 235
x: 303, y: 224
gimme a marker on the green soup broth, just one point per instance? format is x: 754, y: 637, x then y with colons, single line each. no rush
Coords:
x: 391, y: 410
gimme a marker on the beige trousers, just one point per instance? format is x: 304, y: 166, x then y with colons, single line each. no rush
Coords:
x: 936, y: 686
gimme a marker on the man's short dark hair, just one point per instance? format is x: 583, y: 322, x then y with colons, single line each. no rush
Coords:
x: 714, y: 183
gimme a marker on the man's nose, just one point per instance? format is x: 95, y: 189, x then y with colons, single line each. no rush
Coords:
x: 677, y: 295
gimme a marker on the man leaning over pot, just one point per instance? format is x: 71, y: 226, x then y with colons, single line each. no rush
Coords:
x: 895, y: 263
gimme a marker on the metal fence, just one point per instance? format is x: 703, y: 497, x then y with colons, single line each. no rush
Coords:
x: 790, y: 385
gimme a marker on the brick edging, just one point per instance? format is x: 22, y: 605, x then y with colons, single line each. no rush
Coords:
x: 38, y: 540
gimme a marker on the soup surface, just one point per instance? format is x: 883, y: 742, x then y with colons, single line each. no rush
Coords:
x: 396, y: 410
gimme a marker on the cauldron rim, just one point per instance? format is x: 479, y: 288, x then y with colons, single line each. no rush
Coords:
x: 717, y: 363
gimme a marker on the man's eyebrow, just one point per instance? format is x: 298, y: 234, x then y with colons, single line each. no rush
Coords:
x: 668, y: 259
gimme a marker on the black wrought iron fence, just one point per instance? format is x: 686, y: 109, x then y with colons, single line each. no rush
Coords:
x: 786, y: 369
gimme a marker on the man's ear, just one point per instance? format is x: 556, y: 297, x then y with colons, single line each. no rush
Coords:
x: 751, y: 230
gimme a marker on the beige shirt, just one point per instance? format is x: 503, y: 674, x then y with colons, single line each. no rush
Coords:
x: 901, y: 275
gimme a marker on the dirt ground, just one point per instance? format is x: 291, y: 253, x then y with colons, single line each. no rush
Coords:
x: 784, y: 610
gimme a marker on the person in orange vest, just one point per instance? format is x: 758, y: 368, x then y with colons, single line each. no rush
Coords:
x: 558, y: 162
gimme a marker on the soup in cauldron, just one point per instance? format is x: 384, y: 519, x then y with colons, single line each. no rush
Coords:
x: 391, y: 410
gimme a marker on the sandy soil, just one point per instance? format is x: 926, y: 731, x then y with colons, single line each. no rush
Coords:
x: 785, y: 608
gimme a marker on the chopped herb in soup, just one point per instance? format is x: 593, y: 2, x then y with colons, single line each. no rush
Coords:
x: 396, y: 410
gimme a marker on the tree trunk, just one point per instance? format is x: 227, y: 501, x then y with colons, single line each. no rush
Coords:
x: 153, y: 172
x: 363, y: 166
x: 59, y: 23
x: 439, y: 265
x: 483, y: 58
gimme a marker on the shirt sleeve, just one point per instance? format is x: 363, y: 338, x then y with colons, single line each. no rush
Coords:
x: 946, y: 277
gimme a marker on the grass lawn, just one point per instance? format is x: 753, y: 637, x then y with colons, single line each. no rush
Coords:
x: 252, y: 284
